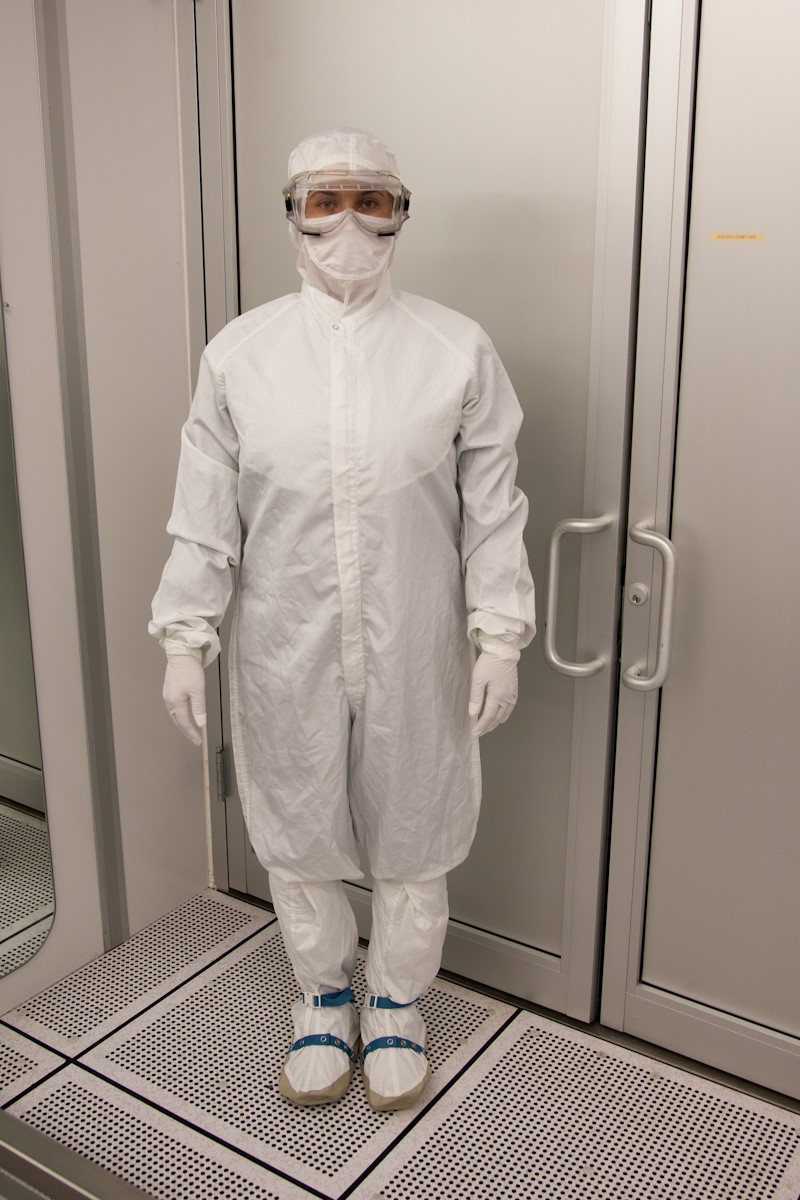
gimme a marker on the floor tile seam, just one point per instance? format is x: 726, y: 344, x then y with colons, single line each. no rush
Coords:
x: 25, y: 934
x: 159, y: 1107
x: 151, y: 1004
x: 25, y: 928
x: 171, y: 991
x: 31, y: 1087
x: 200, y: 1132
x: 431, y: 1105
x: 620, y: 1039
x: 277, y: 1172
x: 30, y: 1037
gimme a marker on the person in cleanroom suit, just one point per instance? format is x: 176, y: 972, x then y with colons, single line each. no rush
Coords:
x: 350, y: 448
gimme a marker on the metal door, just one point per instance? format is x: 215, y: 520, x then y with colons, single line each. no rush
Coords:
x: 518, y: 128
x: 702, y: 942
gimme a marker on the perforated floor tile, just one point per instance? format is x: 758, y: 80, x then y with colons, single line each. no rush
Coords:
x: 551, y: 1114
x: 93, y: 1001
x: 26, y: 875
x: 212, y: 1053
x: 145, y: 1147
x: 22, y: 1063
x: 15, y: 951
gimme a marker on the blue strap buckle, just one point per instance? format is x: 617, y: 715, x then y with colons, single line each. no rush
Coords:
x: 372, y: 1001
x: 392, y: 1043
x: 328, y: 999
x: 323, y: 1039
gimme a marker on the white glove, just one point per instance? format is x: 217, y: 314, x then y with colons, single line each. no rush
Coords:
x: 185, y: 690
x: 494, y: 689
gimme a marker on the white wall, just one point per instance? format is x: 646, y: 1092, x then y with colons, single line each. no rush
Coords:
x: 124, y: 100
x: 130, y: 201
x: 34, y: 375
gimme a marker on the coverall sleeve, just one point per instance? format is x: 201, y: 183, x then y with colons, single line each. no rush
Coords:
x: 498, y: 583
x: 196, y: 583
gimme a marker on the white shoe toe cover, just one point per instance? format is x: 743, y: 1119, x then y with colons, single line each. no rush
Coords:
x: 319, y: 1074
x: 393, y: 1078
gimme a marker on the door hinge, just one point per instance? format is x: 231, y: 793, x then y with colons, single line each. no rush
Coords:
x: 222, y: 775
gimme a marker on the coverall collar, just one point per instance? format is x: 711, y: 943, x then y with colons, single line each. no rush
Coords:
x: 328, y: 308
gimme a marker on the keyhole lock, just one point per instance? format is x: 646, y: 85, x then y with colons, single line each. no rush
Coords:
x: 638, y: 593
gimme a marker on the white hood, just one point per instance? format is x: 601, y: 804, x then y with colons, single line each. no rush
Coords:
x: 346, y: 261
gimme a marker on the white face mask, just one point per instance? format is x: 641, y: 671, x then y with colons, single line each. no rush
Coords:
x: 347, y: 251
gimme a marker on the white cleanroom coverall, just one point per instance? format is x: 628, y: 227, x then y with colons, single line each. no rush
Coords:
x: 351, y: 448
x: 360, y: 471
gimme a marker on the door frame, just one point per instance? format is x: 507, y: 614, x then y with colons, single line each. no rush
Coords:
x: 89, y: 907
x: 567, y: 982
x: 677, y: 1023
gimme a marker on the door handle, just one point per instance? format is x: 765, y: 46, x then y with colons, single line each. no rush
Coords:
x: 634, y: 677
x: 551, y: 655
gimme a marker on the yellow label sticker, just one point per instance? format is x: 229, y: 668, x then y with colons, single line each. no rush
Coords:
x: 737, y: 237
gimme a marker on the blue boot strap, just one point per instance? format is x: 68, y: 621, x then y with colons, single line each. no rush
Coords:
x: 391, y: 1043
x: 323, y: 1039
x: 330, y: 999
x: 371, y: 1001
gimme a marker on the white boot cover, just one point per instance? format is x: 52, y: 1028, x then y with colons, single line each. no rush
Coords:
x: 409, y: 922
x: 394, y: 1076
x: 321, y: 939
x: 320, y: 1074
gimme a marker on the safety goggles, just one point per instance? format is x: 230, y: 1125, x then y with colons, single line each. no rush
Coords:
x: 315, y: 195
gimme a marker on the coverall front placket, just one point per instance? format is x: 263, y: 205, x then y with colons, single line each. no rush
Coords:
x: 345, y: 478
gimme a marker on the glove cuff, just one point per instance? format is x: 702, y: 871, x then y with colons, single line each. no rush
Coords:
x: 175, y: 649
x: 498, y: 646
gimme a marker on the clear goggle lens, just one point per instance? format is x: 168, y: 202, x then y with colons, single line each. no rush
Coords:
x: 316, y: 195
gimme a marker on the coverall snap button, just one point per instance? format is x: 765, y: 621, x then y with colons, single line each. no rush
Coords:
x: 334, y: 326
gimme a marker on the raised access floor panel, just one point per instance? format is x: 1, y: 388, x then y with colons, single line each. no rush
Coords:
x: 160, y: 1062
